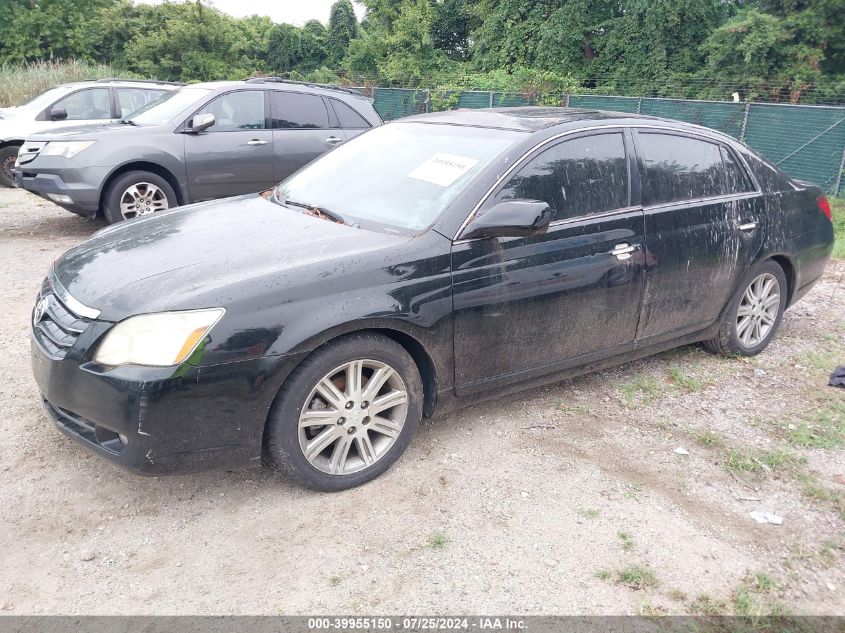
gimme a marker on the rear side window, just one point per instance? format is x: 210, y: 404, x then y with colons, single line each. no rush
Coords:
x: 583, y: 176
x: 293, y: 110
x: 131, y: 99
x: 678, y: 168
x: 348, y: 118
x: 736, y: 181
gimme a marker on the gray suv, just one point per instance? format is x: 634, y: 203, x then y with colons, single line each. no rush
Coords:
x: 203, y: 141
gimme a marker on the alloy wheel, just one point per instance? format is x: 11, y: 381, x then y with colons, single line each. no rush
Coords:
x: 758, y: 310
x: 142, y: 198
x: 6, y: 167
x: 352, y: 417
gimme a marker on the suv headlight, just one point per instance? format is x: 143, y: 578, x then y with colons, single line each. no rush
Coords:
x: 157, y: 340
x: 68, y: 149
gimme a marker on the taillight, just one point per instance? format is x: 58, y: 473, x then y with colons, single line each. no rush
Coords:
x: 824, y: 207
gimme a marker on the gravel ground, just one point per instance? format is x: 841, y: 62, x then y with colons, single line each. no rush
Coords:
x: 564, y: 500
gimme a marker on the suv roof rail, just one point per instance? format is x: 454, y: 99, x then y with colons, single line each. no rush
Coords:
x: 105, y: 80
x: 282, y: 80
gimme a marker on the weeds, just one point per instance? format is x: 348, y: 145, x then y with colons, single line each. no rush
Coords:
x: 437, y: 540
x: 627, y: 541
x: 684, y: 381
x: 637, y: 577
x: 590, y: 513
x: 644, y: 388
x: 757, y: 463
x: 824, y: 429
x: 707, y: 439
x: 21, y: 82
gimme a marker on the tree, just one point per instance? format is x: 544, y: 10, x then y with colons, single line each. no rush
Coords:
x: 284, y: 48
x: 452, y: 26
x: 343, y: 28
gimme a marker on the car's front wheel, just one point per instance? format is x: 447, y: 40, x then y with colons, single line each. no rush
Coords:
x: 137, y: 193
x: 8, y: 155
x: 752, y: 317
x: 346, y: 413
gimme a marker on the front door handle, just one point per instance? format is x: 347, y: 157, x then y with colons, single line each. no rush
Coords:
x: 256, y: 141
x: 334, y: 140
x: 748, y: 226
x: 623, y: 251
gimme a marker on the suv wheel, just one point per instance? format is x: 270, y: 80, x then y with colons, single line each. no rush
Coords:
x: 346, y: 413
x: 137, y: 193
x: 8, y: 155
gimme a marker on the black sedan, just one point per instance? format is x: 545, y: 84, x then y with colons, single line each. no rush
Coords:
x: 427, y: 264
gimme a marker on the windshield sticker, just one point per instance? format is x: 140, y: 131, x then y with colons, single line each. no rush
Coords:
x: 443, y: 169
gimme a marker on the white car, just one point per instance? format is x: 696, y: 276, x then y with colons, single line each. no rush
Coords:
x: 72, y: 104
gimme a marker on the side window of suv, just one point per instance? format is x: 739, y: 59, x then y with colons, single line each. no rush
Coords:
x: 130, y: 99
x: 348, y: 118
x: 583, y: 176
x: 88, y: 104
x: 298, y: 111
x: 235, y: 111
x: 678, y: 168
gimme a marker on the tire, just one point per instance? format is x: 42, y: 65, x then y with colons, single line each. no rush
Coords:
x: 341, y: 463
x: 8, y: 155
x: 150, y: 193
x: 733, y: 337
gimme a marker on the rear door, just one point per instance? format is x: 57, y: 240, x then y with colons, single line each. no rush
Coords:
x: 303, y: 128
x: 235, y: 155
x: 704, y: 225
x: 531, y: 305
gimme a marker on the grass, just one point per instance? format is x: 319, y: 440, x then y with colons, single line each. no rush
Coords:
x: 837, y: 205
x: 590, y: 513
x: 334, y: 581
x: 644, y: 388
x: 626, y: 540
x: 437, y: 540
x: 684, y: 381
x: 21, y: 82
x: 752, y: 597
x: 707, y: 605
x: 824, y: 428
x: 637, y: 577
x: 758, y: 462
x: 603, y: 574
x: 707, y: 439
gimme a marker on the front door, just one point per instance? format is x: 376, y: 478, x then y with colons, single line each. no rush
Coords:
x: 532, y: 305
x: 704, y: 226
x: 235, y: 155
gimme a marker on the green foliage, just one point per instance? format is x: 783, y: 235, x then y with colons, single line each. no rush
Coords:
x: 20, y: 82
x: 837, y: 206
x: 343, y: 28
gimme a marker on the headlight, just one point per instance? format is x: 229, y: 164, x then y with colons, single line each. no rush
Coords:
x: 157, y: 340
x: 68, y: 149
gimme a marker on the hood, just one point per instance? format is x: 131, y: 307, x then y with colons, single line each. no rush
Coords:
x: 9, y: 113
x: 208, y: 255
x: 83, y: 132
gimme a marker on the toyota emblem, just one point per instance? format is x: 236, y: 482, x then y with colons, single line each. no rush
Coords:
x: 40, y: 309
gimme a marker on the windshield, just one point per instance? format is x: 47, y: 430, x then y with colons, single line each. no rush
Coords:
x: 166, y: 106
x: 39, y: 102
x: 401, y: 175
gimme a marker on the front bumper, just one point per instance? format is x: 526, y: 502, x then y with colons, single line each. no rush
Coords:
x: 156, y: 421
x: 62, y: 182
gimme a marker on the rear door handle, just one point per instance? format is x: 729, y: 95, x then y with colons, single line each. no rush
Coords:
x: 623, y: 251
x: 748, y: 226
x: 334, y: 140
x: 256, y: 141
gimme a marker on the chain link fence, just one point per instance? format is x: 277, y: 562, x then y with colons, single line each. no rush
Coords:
x: 807, y: 142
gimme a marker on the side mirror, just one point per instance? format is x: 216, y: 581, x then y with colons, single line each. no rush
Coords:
x: 201, y: 123
x: 511, y: 218
x: 57, y: 114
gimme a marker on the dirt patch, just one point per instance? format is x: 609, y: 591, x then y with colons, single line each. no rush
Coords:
x: 514, y: 506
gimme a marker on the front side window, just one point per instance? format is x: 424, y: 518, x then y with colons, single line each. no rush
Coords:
x: 297, y: 111
x: 131, y: 99
x: 678, y: 168
x: 578, y: 177
x: 235, y: 111
x: 168, y: 106
x: 86, y: 105
x: 398, y: 177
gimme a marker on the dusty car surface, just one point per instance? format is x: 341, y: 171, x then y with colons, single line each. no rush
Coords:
x: 428, y: 264
x: 204, y: 141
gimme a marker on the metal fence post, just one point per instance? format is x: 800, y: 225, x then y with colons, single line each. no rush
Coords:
x: 744, y: 121
x: 639, y: 104
x: 567, y: 100
x: 491, y: 99
x: 839, y: 175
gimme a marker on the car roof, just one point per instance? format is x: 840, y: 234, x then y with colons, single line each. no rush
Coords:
x: 274, y: 83
x: 125, y: 83
x: 538, y: 118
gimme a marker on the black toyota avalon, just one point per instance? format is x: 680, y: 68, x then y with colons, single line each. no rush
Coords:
x: 425, y: 265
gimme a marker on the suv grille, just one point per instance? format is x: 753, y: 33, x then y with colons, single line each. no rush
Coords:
x: 56, y: 328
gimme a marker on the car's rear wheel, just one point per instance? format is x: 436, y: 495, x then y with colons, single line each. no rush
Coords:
x: 136, y: 194
x: 754, y: 313
x: 346, y: 414
x: 8, y: 155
